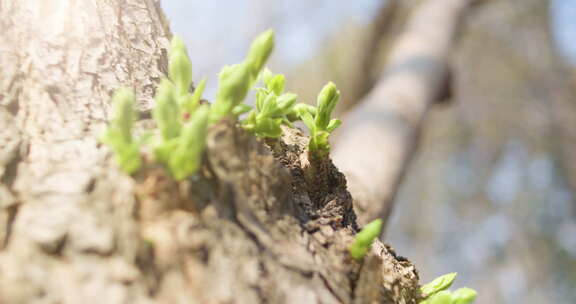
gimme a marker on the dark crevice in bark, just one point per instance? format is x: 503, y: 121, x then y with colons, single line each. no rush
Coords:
x: 331, y: 289
x: 11, y: 211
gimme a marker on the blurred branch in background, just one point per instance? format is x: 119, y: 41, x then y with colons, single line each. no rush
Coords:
x: 490, y: 175
x: 379, y: 34
x: 380, y: 134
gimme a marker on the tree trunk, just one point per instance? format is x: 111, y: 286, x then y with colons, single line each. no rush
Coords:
x: 255, y: 227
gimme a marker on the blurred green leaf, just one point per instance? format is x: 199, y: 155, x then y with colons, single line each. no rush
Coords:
x: 442, y: 297
x: 464, y: 295
x: 186, y: 157
x: 363, y: 239
x: 179, y: 65
x: 438, y: 284
x: 166, y: 113
x: 235, y: 81
x: 118, y: 135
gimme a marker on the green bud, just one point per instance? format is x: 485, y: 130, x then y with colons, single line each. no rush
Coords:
x: 269, y: 106
x: 179, y: 66
x: 463, y: 295
x: 260, y: 50
x: 164, y: 149
x: 236, y: 80
x: 317, y: 119
x: 364, y: 239
x: 177, y: 44
x: 327, y: 100
x: 124, y: 113
x: 269, y: 127
x: 276, y: 84
x: 234, y: 83
x: 286, y: 102
x: 334, y: 123
x: 328, y: 97
x: 266, y: 75
x: 241, y: 109
x: 166, y: 113
x: 301, y: 108
x: 261, y: 95
x: 442, y: 297
x: 128, y: 157
x: 186, y: 158
x: 118, y: 135
x: 319, y: 145
x: 307, y: 119
x: 438, y: 284
x: 249, y: 123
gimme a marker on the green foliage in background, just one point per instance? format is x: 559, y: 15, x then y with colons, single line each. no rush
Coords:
x: 436, y: 292
x: 364, y: 239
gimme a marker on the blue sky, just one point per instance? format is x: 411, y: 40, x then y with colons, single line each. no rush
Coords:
x: 218, y: 32
x: 564, y: 26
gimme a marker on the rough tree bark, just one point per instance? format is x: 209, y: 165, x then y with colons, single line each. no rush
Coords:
x: 254, y: 227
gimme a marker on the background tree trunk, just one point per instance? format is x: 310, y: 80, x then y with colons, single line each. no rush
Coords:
x: 379, y: 139
x: 250, y: 229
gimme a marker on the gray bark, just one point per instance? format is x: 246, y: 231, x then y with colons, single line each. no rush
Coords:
x: 254, y: 227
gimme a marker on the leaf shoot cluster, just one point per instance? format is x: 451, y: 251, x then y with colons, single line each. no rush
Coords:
x: 436, y: 292
x: 182, y: 121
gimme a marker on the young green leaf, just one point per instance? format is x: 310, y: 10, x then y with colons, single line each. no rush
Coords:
x: 191, y: 102
x: 266, y: 75
x: 364, y: 239
x: 260, y: 50
x: 276, y: 84
x: 334, y: 123
x: 128, y: 158
x: 241, y: 109
x: 438, y: 284
x: 187, y: 155
x: 269, y: 127
x: 166, y: 113
x: 463, y: 295
x: 318, y: 121
x: 124, y: 113
x: 285, y: 103
x: 163, y: 149
x: 118, y: 135
x: 269, y: 106
x: 327, y: 100
x: 179, y: 65
x: 442, y: 297
x: 272, y: 107
x: 308, y: 120
x: 235, y: 81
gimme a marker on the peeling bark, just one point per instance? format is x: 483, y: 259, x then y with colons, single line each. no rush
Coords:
x: 254, y: 227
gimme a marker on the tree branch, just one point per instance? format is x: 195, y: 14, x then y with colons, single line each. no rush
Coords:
x: 380, y: 134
